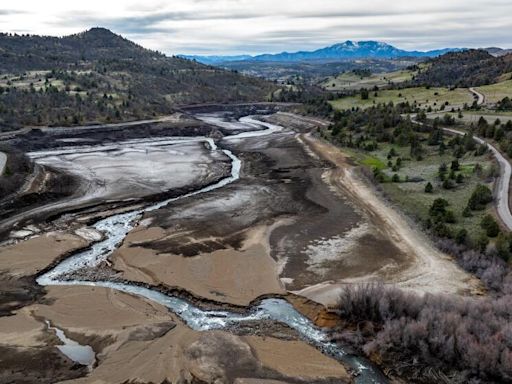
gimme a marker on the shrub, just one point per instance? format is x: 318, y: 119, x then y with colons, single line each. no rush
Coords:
x: 482, y: 242
x: 481, y: 196
x: 449, y: 217
x: 503, y: 246
x: 448, y: 184
x: 429, y: 188
x: 490, y: 226
x: 461, y: 236
x: 438, y: 207
x: 441, y: 229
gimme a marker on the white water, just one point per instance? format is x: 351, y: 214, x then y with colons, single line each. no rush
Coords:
x: 116, y: 228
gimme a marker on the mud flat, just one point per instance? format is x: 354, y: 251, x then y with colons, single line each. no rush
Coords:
x: 121, y: 173
x: 136, y: 168
x: 138, y: 339
x: 90, y: 316
x: 19, y: 262
x: 280, y: 227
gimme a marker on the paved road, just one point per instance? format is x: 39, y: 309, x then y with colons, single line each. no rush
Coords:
x: 502, y: 192
x: 480, y: 96
x: 3, y: 161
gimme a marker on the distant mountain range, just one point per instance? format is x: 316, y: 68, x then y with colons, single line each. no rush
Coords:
x: 497, y: 52
x: 347, y: 50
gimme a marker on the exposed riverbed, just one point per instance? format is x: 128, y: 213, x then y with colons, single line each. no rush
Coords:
x: 115, y: 229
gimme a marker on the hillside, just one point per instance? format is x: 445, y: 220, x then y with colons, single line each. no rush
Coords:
x: 100, y: 76
x: 465, y: 69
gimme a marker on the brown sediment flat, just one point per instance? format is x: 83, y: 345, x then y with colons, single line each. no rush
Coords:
x: 21, y: 330
x: 97, y: 310
x: 212, y: 356
x: 146, y: 361
x: 136, y: 339
x: 295, y: 359
x: 30, y: 256
x: 235, y: 276
x: 203, y: 243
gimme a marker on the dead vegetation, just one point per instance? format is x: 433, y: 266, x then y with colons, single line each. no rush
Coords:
x: 430, y: 338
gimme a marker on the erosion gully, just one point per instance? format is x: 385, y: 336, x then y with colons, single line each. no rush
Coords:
x: 116, y: 227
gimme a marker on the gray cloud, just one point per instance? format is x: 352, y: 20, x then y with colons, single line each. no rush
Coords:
x: 248, y: 26
x: 147, y: 23
x: 10, y: 12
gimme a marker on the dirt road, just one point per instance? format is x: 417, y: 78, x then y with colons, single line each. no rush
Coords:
x: 430, y: 269
x: 480, y: 97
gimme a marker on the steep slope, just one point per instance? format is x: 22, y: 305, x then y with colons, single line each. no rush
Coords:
x: 100, y: 76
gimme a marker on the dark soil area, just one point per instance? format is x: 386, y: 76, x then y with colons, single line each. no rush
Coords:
x: 40, y: 365
x: 17, y: 292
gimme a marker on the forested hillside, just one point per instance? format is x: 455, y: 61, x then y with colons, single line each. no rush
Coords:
x: 100, y: 76
x: 465, y: 69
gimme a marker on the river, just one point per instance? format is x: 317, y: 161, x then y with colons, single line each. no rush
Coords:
x: 116, y: 227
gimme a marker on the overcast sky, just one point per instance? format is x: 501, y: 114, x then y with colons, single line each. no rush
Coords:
x: 261, y: 26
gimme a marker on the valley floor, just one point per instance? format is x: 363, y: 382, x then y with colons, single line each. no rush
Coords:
x: 298, y: 221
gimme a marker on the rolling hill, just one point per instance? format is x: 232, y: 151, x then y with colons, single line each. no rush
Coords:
x: 465, y: 69
x: 98, y: 76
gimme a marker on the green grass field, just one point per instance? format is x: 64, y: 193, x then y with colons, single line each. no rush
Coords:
x: 351, y: 81
x: 496, y: 92
x: 411, y: 196
x: 433, y: 97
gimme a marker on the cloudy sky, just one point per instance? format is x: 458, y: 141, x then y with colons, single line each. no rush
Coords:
x: 260, y: 26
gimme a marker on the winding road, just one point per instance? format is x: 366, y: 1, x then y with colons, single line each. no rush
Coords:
x: 502, y: 191
x: 480, y: 97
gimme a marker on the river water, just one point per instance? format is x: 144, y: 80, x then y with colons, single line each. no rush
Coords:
x: 115, y: 228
